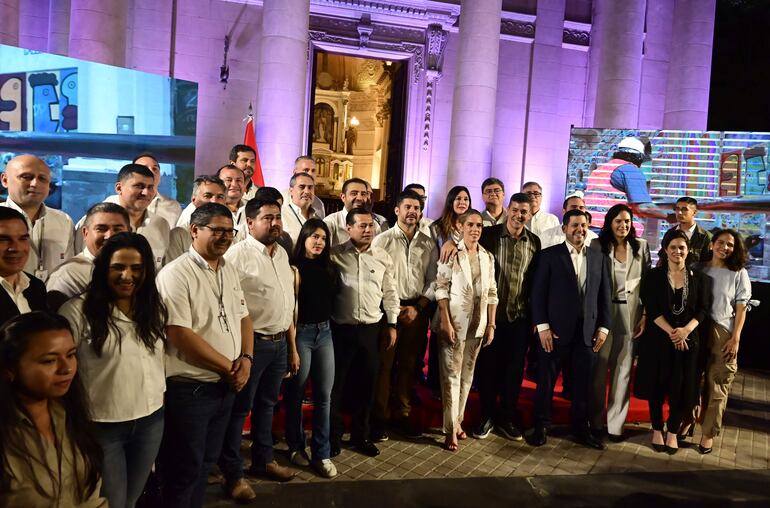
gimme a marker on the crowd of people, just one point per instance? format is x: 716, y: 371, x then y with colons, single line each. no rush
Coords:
x: 143, y: 338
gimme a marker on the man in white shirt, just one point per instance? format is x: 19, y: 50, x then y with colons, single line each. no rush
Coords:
x: 306, y: 164
x: 555, y: 235
x: 380, y: 220
x: 541, y: 220
x: 355, y: 193
x: 268, y: 286
x: 51, y: 232
x: 415, y: 261
x: 244, y: 158
x: 206, y: 189
x: 425, y: 222
x: 299, y: 207
x: 209, y: 356
x: 493, y: 194
x: 21, y: 292
x: 366, y: 286
x: 235, y: 189
x: 162, y: 206
x: 103, y: 220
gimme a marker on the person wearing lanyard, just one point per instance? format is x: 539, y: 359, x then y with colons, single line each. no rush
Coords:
x: 268, y: 285
x: 366, y: 286
x: 299, y: 207
x: 103, y: 220
x: 28, y: 180
x: 415, y: 258
x: 306, y: 164
x: 206, y: 189
x: 21, y: 292
x: 209, y: 356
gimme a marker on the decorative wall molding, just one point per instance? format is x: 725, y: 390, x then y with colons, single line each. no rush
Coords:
x: 435, y: 43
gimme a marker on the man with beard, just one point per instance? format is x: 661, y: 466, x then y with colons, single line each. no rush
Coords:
x: 103, y: 220
x: 209, y: 358
x: 299, y: 207
x: 268, y: 286
x: 355, y: 194
x: 415, y: 257
x: 244, y: 158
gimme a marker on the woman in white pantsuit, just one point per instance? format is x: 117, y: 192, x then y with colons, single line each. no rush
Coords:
x: 467, y: 300
x: 630, y: 260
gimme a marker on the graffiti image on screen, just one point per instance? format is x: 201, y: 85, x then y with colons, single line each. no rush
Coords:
x: 40, y: 101
x: 726, y: 172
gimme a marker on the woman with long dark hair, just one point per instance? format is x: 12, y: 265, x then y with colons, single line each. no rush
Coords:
x: 630, y: 261
x: 314, y: 344
x: 48, y: 454
x: 119, y: 328
x: 675, y: 304
x: 458, y: 201
x: 730, y: 292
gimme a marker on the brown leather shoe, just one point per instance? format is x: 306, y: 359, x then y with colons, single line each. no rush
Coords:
x: 240, y: 490
x: 277, y: 472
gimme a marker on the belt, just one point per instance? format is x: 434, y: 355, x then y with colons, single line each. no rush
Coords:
x: 276, y: 337
x: 619, y: 301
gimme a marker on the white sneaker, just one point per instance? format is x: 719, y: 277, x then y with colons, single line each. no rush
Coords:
x: 325, y: 468
x: 299, y: 458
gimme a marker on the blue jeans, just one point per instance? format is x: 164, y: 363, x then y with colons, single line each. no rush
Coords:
x: 316, y: 359
x: 196, y: 418
x: 130, y: 449
x: 261, y: 392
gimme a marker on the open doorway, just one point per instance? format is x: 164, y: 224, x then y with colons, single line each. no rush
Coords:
x: 356, y: 125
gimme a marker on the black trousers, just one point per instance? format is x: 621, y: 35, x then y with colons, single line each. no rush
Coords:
x: 500, y: 370
x: 356, y: 364
x: 581, y: 359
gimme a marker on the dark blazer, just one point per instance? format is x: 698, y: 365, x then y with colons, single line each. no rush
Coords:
x: 35, y: 295
x: 555, y: 296
x: 700, y: 245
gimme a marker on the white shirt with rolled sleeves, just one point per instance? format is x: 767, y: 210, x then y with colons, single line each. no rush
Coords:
x: 267, y: 283
x: 51, y: 240
x: 338, y: 227
x: 191, y: 291
x: 414, y: 262
x: 72, y: 277
x: 542, y: 221
x: 366, y: 282
x: 128, y: 380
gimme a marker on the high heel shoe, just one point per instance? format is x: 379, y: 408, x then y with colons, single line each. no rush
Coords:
x: 703, y: 450
x: 670, y: 450
x: 682, y: 438
x: 659, y: 447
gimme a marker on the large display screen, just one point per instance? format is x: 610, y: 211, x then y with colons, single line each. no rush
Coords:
x: 87, y: 120
x: 726, y: 172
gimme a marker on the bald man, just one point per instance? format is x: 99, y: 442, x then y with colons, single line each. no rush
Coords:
x: 52, y: 233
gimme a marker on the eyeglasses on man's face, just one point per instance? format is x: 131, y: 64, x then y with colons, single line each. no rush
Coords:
x: 220, y: 232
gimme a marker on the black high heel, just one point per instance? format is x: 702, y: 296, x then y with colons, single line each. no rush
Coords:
x: 682, y: 438
x: 659, y: 447
x: 705, y: 451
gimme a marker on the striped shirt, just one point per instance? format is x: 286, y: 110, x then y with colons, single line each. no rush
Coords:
x: 512, y: 259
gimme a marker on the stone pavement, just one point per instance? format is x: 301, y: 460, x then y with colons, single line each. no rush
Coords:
x: 742, y: 446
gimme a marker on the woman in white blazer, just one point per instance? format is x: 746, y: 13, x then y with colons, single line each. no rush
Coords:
x: 467, y: 300
x: 630, y: 261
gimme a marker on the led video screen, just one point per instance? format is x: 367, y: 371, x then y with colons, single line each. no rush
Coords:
x: 727, y: 172
x: 87, y: 120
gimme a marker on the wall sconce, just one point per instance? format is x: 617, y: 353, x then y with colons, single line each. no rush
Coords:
x: 354, y: 122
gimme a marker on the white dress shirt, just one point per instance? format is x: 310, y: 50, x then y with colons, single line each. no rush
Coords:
x: 210, y: 303
x: 689, y: 231
x: 318, y: 204
x: 338, y: 227
x: 179, y: 241
x: 128, y: 380
x: 415, y: 261
x: 51, y: 240
x: 541, y: 221
x: 293, y: 220
x: 366, y: 281
x: 184, y: 217
x: 555, y: 236
x: 162, y: 206
x: 267, y: 282
x: 17, y: 293
x: 72, y: 277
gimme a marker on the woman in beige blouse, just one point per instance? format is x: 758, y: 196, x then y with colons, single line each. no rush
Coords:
x: 467, y: 298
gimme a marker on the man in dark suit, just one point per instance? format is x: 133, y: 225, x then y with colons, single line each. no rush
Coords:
x: 700, y: 239
x: 571, y: 306
x: 21, y: 292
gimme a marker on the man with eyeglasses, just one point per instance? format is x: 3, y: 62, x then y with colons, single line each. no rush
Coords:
x: 492, y: 193
x: 210, y: 354
x: 541, y: 220
x: 366, y: 286
x: 268, y: 286
x: 355, y: 194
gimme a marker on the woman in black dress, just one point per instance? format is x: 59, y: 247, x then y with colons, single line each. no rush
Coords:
x: 675, y: 304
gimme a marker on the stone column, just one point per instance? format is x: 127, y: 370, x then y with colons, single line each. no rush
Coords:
x: 657, y: 57
x: 620, y: 62
x: 98, y: 31
x: 59, y: 27
x: 9, y: 27
x: 687, y: 91
x: 544, y: 158
x: 280, y: 112
x: 475, y: 92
